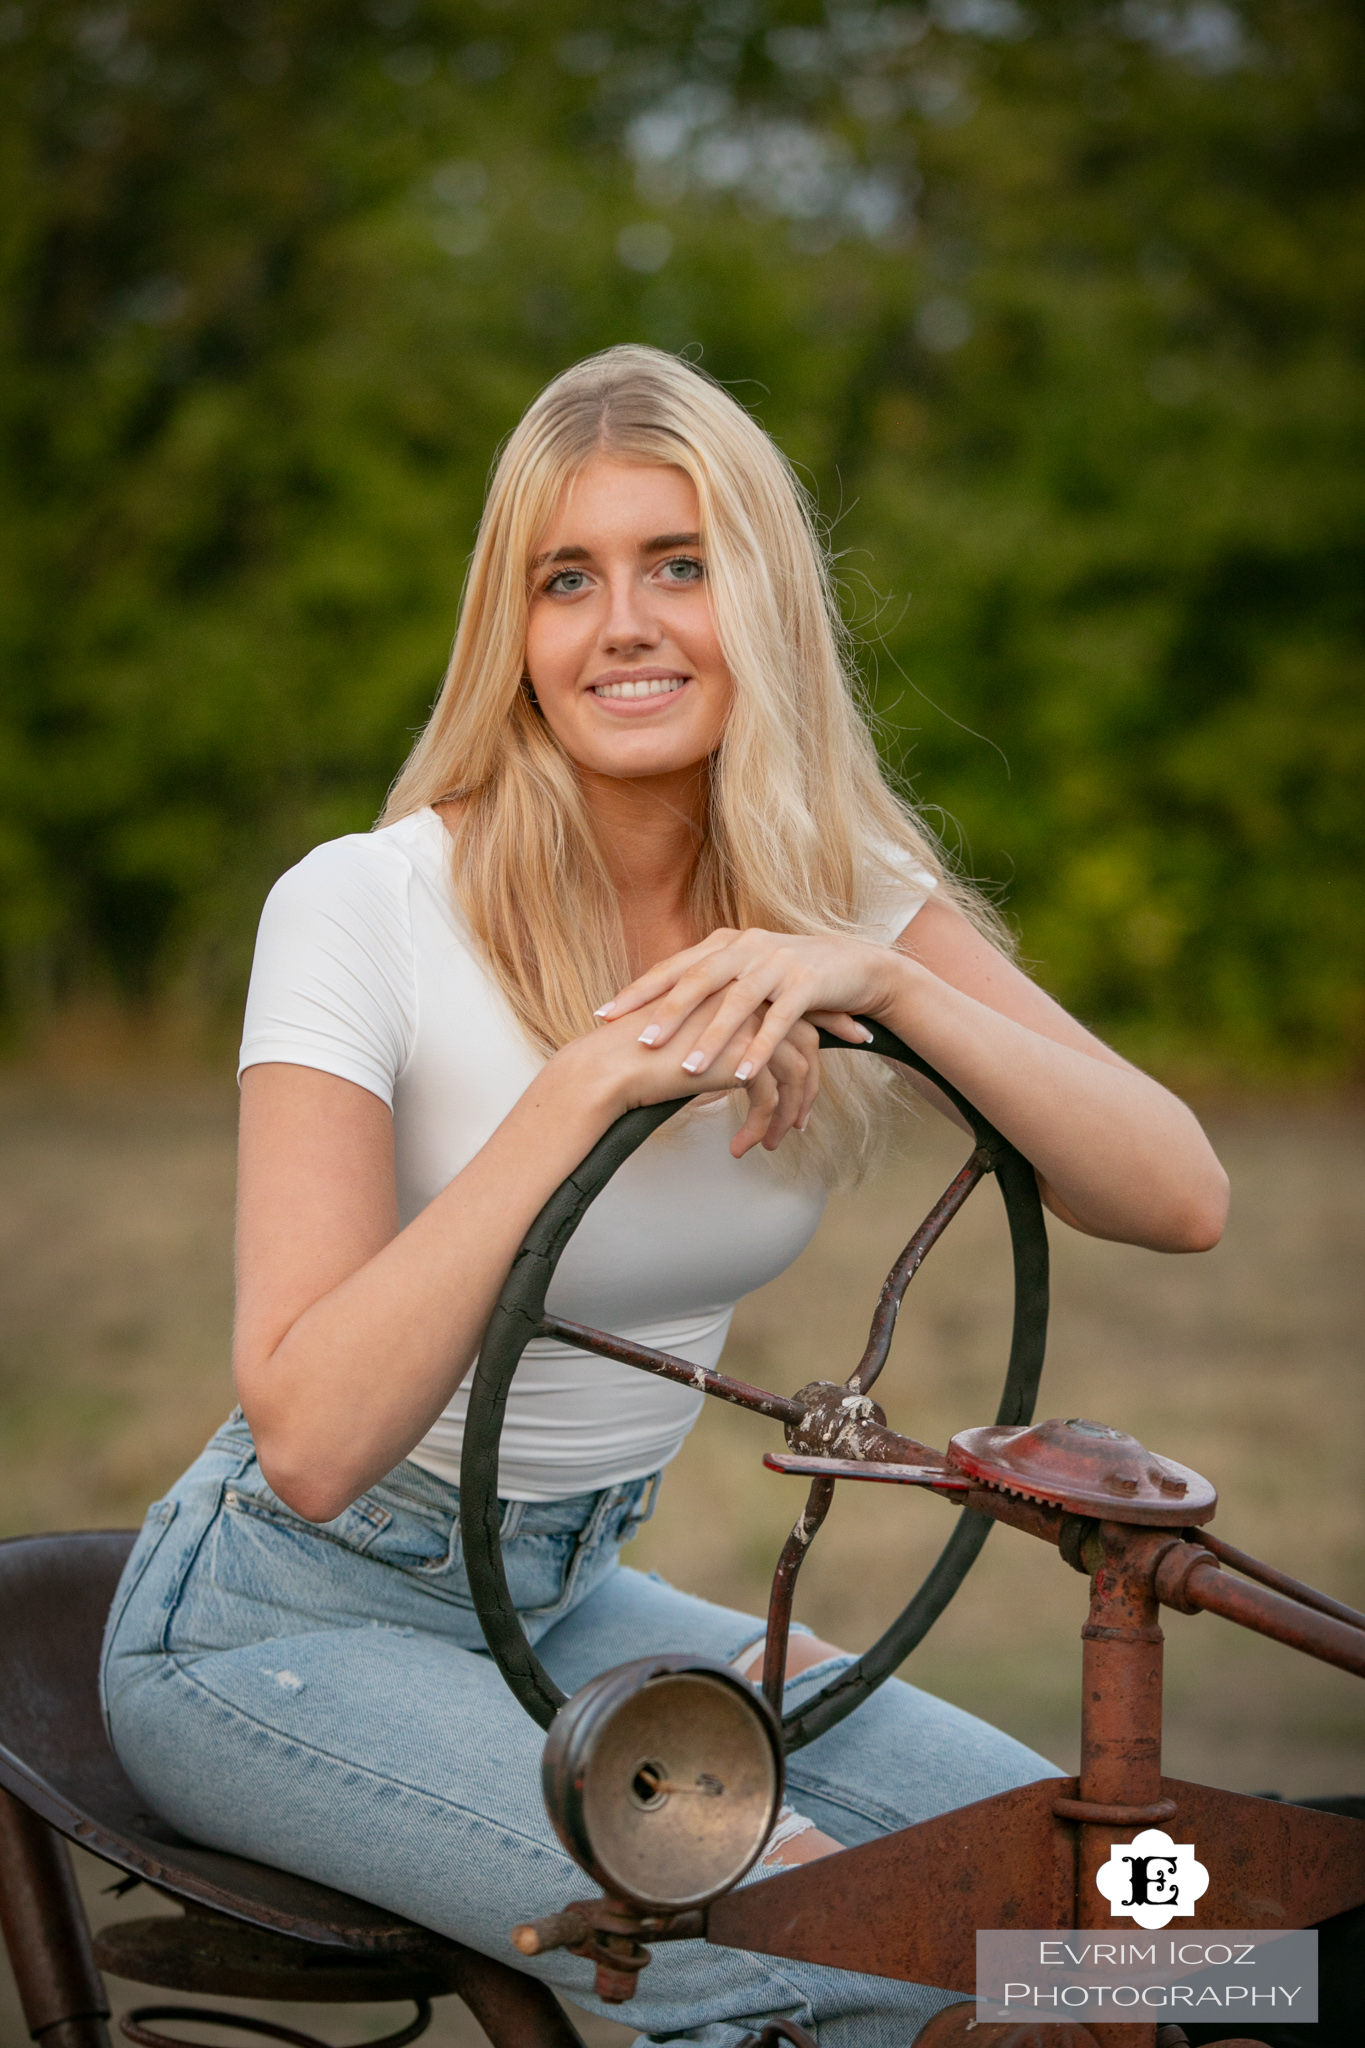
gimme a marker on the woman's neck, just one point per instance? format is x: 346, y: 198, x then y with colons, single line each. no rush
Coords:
x: 650, y: 831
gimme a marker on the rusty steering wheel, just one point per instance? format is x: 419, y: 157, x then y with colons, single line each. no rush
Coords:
x: 822, y: 1421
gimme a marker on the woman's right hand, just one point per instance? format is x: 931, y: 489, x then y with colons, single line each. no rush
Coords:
x: 780, y: 1095
x: 353, y: 1333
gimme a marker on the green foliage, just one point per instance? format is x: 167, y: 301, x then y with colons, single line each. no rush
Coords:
x: 1059, y: 309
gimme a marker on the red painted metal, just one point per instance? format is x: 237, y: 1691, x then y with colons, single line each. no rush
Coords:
x: 1272, y: 1864
x: 917, y: 1898
x: 909, y: 1905
x: 1088, y: 1469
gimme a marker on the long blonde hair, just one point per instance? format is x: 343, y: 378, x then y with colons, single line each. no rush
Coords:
x: 801, y: 825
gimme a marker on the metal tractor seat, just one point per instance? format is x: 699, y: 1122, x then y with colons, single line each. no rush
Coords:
x: 247, y: 1931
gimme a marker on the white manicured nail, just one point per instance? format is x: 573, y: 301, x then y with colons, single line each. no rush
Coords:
x: 868, y: 1036
x: 605, y: 1010
x: 742, y: 1073
x: 649, y: 1034
x: 694, y: 1062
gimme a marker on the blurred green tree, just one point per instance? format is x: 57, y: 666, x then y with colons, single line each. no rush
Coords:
x: 1059, y: 307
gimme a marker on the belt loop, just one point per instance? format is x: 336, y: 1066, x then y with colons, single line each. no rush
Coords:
x: 513, y: 1515
x: 651, y: 1499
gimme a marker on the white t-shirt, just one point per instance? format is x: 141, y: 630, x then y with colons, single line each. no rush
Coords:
x: 365, y: 968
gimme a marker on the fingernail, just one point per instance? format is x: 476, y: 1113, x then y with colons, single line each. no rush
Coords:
x: 694, y: 1062
x: 742, y: 1073
x: 802, y: 1125
x: 605, y: 1010
x: 649, y: 1034
x: 868, y: 1036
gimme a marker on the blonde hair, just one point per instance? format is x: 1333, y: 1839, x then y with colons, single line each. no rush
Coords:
x: 801, y: 826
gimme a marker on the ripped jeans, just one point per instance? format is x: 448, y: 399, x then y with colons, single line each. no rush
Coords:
x: 319, y: 1698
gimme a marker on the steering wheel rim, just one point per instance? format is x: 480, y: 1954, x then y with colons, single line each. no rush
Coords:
x: 517, y: 1318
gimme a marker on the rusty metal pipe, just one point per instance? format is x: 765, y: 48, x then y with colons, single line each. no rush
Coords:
x: 667, y: 1367
x: 1197, y: 1582
x: 1278, y: 1581
x: 793, y: 1556
x: 883, y: 1326
x: 1120, y: 1721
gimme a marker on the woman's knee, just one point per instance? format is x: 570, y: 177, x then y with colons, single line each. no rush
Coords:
x: 803, y: 1654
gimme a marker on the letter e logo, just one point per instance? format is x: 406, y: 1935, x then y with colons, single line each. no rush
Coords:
x: 1151, y: 1879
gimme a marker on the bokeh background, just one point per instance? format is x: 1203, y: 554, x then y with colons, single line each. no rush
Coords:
x: 1059, y: 309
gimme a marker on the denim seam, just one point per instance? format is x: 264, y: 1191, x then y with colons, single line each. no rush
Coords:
x: 175, y: 1592
x: 883, y: 1817
x: 165, y: 1512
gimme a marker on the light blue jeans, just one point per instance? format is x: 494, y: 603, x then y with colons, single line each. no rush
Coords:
x: 319, y: 1697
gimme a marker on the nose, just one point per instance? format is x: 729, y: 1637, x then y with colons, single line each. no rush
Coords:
x: 629, y: 624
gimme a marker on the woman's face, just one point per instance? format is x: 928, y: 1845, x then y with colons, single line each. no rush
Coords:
x: 621, y: 647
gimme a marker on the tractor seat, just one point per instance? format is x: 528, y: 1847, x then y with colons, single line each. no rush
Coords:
x: 249, y: 1930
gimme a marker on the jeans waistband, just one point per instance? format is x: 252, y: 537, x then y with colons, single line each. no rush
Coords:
x: 415, y: 1486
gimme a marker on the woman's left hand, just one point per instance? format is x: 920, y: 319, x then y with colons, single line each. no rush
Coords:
x: 780, y: 977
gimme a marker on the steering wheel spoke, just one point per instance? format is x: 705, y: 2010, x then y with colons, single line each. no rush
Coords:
x: 669, y: 1367
x: 822, y: 1420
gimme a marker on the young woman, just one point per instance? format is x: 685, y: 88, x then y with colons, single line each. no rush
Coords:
x: 641, y: 849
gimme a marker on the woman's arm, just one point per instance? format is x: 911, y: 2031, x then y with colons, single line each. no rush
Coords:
x: 351, y: 1335
x: 1117, y: 1154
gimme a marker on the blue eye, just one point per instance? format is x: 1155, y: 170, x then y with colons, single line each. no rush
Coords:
x: 568, y: 582
x: 683, y: 569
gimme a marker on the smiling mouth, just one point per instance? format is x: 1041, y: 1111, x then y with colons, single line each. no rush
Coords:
x: 641, y: 686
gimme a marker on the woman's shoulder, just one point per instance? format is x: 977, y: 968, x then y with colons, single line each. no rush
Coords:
x: 362, y: 871
x: 333, y: 981
x: 896, y: 884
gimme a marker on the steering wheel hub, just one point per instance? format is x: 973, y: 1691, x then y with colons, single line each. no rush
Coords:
x: 1088, y: 1469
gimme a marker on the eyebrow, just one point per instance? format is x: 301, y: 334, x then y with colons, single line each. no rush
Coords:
x: 660, y: 544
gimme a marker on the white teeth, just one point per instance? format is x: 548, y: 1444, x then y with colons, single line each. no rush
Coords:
x: 658, y: 686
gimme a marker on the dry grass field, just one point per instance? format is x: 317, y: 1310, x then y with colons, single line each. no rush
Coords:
x: 115, y: 1214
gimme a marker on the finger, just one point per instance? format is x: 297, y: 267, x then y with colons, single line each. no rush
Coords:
x: 742, y: 1003
x: 657, y: 980
x: 804, y: 1039
x: 841, y: 1025
x: 788, y: 1070
x: 786, y: 1006
x: 762, y: 1096
x: 723, y: 973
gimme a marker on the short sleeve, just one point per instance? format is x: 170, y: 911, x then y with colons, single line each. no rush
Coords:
x: 332, y: 982
x: 893, y: 899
